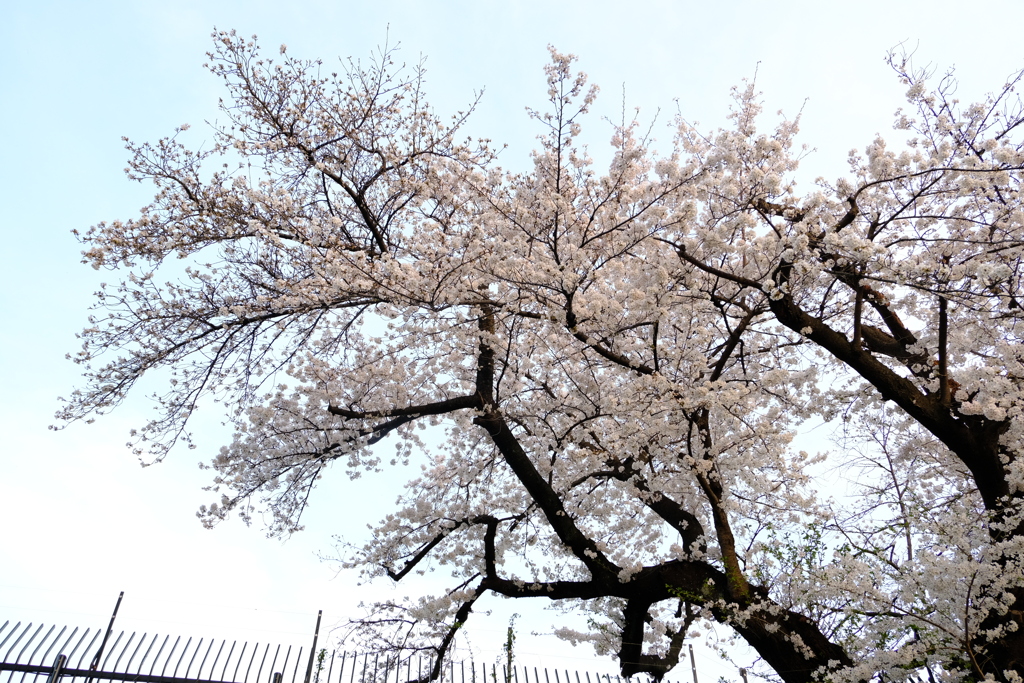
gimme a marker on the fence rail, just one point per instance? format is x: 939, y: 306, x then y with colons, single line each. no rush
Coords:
x: 32, y: 652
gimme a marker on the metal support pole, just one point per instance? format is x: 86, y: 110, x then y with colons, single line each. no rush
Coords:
x: 312, y: 651
x: 58, y: 669
x: 743, y: 672
x: 110, y: 628
x: 693, y: 663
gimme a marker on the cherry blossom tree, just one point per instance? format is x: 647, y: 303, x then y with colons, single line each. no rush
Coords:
x: 618, y: 361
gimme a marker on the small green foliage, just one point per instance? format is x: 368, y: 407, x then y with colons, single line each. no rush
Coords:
x: 706, y: 594
x: 509, y: 647
x: 320, y: 657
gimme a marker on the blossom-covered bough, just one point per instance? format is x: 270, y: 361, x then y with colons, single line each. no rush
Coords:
x: 618, y: 361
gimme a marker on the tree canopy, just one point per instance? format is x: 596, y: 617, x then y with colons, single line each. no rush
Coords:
x: 618, y: 359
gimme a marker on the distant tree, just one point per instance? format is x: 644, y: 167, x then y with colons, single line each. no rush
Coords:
x: 619, y: 361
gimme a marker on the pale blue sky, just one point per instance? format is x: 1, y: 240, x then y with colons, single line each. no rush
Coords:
x: 81, y: 520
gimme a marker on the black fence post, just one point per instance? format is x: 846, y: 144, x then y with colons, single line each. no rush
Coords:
x: 110, y: 628
x: 58, y: 669
x: 312, y: 651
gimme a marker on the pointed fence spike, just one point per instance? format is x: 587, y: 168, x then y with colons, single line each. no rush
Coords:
x: 156, y: 659
x: 112, y: 648
x: 227, y: 660
x: 87, y: 647
x: 54, y: 642
x: 41, y: 643
x: 181, y: 657
x: 126, y: 646
x: 199, y: 671
x: 215, y: 660
x: 7, y: 657
x: 134, y: 652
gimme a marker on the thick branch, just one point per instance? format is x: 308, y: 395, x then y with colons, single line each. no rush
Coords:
x: 403, y: 415
x: 542, y: 493
x: 674, y: 514
x: 973, y: 439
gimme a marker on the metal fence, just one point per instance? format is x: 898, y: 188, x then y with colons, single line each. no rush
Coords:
x: 33, y: 652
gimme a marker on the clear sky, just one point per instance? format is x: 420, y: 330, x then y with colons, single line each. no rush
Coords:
x: 79, y: 519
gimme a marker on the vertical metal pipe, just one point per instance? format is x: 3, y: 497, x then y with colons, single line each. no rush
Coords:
x: 312, y: 652
x: 110, y: 628
x: 57, y: 670
x: 693, y: 663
